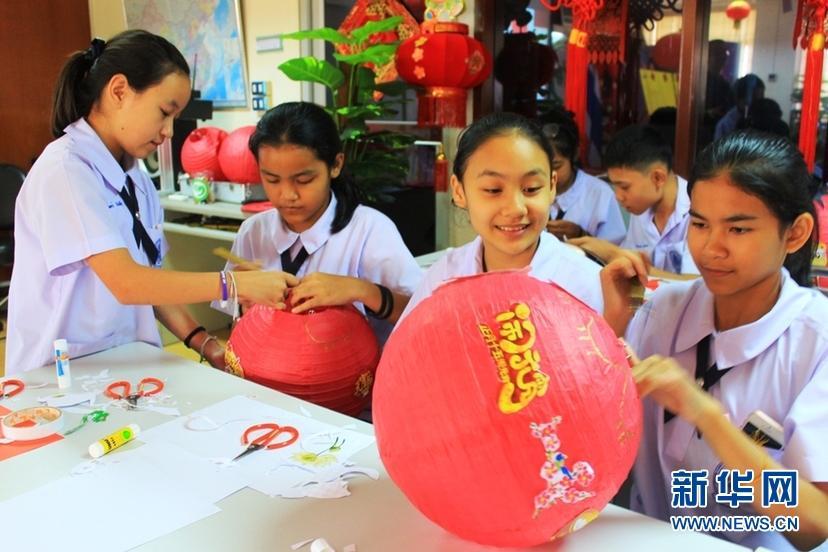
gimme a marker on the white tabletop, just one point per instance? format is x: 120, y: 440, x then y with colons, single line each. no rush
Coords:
x: 376, y: 517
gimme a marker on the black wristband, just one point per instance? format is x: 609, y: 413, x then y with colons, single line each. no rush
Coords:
x: 192, y: 334
x: 386, y: 306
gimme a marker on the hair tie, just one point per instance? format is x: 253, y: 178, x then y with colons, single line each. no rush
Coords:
x: 95, y: 50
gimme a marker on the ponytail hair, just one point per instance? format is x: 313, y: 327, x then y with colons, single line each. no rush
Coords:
x: 772, y: 169
x: 561, y: 130
x: 310, y: 126
x: 144, y: 58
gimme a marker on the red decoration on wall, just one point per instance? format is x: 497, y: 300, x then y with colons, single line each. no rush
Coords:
x: 364, y: 11
x: 584, y: 13
x: 199, y: 154
x: 235, y: 158
x: 505, y: 410
x: 327, y: 357
x: 445, y: 60
x: 608, y: 34
x: 810, y: 33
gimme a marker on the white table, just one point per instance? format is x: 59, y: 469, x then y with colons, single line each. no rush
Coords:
x: 376, y: 517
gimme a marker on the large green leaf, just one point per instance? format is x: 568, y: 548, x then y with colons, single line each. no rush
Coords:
x: 326, y: 33
x: 362, y: 34
x: 315, y: 70
x: 378, y: 54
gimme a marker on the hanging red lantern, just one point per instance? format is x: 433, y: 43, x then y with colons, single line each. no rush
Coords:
x: 516, y: 420
x: 666, y: 52
x: 327, y: 357
x: 235, y: 158
x: 199, y: 153
x: 445, y: 60
x: 737, y: 10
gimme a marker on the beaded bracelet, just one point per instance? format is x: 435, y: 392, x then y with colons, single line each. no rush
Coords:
x: 204, y: 344
x: 224, y: 294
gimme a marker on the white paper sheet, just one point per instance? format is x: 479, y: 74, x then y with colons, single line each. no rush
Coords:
x: 123, y: 503
x: 215, y: 433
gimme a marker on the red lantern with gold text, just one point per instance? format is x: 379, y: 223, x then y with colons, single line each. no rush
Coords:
x: 199, y: 154
x: 235, y: 158
x: 809, y: 32
x: 327, y: 356
x: 505, y: 410
x: 737, y: 10
x: 447, y: 62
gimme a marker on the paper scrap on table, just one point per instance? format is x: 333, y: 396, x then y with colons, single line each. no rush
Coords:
x: 319, y: 447
x: 321, y: 545
x: 92, y: 507
x: 66, y: 400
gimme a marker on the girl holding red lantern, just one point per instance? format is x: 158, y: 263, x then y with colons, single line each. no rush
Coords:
x: 88, y: 224
x: 342, y: 252
x: 752, y: 237
x: 503, y: 177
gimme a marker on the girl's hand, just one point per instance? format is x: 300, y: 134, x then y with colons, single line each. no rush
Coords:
x: 319, y: 289
x: 264, y: 288
x: 617, y: 279
x: 564, y: 229
x: 247, y: 266
x: 672, y: 387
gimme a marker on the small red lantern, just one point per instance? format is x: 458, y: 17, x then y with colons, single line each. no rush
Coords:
x: 327, y: 356
x: 505, y: 410
x: 666, y: 52
x: 737, y: 10
x: 199, y: 154
x: 235, y: 158
x: 445, y: 60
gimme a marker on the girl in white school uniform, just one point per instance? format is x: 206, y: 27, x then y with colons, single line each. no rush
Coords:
x: 584, y: 205
x: 750, y: 335
x: 503, y: 177
x: 88, y: 232
x: 342, y: 252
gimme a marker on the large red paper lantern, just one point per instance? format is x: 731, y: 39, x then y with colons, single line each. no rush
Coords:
x: 235, y: 158
x: 505, y: 410
x: 445, y: 60
x: 327, y: 357
x: 199, y: 153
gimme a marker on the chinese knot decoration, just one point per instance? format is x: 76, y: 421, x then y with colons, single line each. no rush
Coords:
x: 505, y: 410
x: 446, y: 61
x: 809, y: 33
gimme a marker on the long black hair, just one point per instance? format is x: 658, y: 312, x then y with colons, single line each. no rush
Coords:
x: 310, y: 126
x: 561, y: 130
x: 770, y: 168
x: 491, y: 126
x: 144, y: 58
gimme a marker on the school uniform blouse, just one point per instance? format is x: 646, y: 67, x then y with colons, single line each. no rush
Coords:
x: 369, y: 247
x: 590, y: 203
x: 668, y: 249
x: 68, y: 209
x: 779, y: 365
x: 553, y: 262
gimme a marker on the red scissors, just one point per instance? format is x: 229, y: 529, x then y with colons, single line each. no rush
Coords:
x: 268, y: 432
x: 122, y: 390
x: 14, y: 387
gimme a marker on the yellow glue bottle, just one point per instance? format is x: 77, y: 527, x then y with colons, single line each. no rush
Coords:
x: 114, y: 440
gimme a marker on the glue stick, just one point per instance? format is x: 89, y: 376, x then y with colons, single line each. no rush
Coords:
x: 114, y: 440
x: 64, y: 376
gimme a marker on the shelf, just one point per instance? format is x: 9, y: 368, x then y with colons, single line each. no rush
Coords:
x: 217, y: 209
x: 198, y: 231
